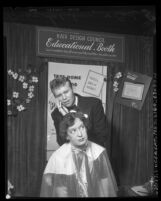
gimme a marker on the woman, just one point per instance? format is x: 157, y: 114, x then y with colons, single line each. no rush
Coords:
x: 79, y: 168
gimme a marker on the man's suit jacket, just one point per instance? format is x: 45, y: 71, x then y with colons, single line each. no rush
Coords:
x: 93, y: 108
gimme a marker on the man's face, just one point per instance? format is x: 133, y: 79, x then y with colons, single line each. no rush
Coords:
x: 77, y: 134
x: 65, y: 95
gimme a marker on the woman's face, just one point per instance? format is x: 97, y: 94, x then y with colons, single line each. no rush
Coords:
x: 65, y: 95
x: 77, y: 134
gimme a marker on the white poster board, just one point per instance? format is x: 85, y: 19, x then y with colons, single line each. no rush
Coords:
x: 80, y: 76
x: 94, y: 83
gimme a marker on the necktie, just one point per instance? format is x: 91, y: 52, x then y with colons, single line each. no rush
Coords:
x: 82, y: 172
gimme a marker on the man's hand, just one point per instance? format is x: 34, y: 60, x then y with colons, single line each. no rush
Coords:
x: 62, y: 109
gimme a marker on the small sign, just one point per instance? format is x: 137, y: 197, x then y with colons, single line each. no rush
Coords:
x: 94, y: 83
x: 66, y: 43
x: 132, y: 91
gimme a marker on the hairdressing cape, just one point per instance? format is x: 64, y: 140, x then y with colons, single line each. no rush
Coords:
x: 71, y: 172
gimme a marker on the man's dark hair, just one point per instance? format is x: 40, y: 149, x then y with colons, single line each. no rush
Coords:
x: 68, y: 121
x: 60, y: 81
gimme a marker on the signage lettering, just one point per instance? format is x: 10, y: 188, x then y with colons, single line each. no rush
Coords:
x: 83, y: 45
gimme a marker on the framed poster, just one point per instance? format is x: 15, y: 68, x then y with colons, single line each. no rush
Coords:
x: 133, y: 90
x: 94, y: 83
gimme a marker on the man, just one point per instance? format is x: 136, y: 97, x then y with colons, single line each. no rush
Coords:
x: 79, y: 168
x: 92, y: 107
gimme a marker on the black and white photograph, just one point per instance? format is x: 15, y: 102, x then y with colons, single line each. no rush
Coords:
x: 80, y: 102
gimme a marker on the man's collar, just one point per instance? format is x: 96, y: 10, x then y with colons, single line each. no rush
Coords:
x: 76, y: 100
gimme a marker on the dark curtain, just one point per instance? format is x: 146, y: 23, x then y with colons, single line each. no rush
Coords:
x: 129, y: 131
x: 132, y: 130
x: 26, y: 132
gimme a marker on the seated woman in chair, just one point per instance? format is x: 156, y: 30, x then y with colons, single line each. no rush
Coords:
x: 79, y: 168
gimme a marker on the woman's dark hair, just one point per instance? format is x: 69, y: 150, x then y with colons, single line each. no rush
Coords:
x: 68, y: 121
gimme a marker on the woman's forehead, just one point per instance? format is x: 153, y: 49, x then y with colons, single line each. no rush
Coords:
x: 77, y: 123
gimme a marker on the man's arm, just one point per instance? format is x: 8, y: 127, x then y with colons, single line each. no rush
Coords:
x: 56, y: 124
x: 99, y: 123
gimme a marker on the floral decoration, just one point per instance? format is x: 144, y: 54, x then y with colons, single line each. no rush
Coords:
x: 155, y: 134
x: 10, y: 190
x: 117, y: 76
x: 22, y: 91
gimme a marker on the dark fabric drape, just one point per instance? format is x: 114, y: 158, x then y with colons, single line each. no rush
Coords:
x: 132, y: 130
x: 130, y: 144
x: 26, y: 132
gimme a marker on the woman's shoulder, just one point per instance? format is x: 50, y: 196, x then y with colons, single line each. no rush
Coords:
x: 60, y: 161
x: 63, y: 151
x: 96, y: 146
x: 96, y: 149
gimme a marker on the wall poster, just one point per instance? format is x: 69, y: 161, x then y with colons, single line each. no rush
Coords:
x: 133, y: 90
x: 87, y: 80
